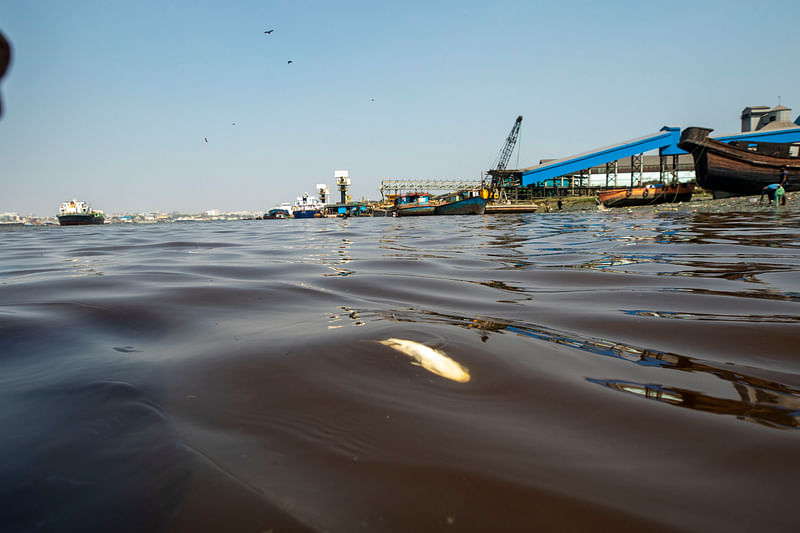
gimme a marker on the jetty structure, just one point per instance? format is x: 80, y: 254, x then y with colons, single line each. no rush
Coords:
x: 491, y: 187
x: 653, y: 161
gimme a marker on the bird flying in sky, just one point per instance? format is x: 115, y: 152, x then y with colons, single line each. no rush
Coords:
x: 289, y: 62
x: 269, y: 31
x: 205, y: 139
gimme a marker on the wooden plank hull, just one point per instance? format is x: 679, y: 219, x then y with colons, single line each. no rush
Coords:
x: 383, y: 211
x: 497, y: 209
x: 468, y: 206
x: 636, y: 196
x: 415, y: 210
x: 721, y: 167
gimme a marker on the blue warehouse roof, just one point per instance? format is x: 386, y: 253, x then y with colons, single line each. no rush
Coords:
x: 665, y: 140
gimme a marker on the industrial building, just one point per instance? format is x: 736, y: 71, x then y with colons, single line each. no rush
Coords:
x: 763, y: 118
x: 625, y: 163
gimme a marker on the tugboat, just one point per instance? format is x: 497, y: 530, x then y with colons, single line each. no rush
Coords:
x: 77, y: 213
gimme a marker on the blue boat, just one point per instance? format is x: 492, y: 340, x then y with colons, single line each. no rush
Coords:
x: 307, y: 207
x: 413, y: 204
x: 461, y: 203
x: 277, y: 213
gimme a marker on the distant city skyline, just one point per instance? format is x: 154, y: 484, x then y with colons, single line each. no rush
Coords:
x: 192, y: 106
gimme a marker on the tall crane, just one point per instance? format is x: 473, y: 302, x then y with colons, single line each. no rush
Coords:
x: 500, y: 177
x: 508, y: 148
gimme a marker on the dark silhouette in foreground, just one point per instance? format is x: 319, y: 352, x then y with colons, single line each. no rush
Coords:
x: 5, y: 59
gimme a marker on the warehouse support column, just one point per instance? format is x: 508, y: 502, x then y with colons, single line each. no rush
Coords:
x: 637, y: 169
x: 675, y: 168
x: 611, y: 172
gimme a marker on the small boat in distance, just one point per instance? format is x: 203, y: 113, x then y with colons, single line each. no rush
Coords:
x: 307, y: 207
x: 277, y: 213
x: 282, y: 211
x: 653, y: 194
x: 413, y: 204
x: 460, y: 203
x: 740, y: 168
x: 77, y: 213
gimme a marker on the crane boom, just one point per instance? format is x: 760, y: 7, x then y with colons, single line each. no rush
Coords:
x: 508, y: 148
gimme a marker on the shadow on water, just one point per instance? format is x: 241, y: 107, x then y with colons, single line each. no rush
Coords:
x: 115, y: 466
x: 104, y: 456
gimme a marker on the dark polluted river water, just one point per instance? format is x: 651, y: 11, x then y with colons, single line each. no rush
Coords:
x: 614, y: 371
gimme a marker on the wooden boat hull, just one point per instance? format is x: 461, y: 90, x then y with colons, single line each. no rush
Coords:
x: 722, y: 167
x: 474, y: 205
x: 497, y: 209
x: 415, y: 210
x: 637, y: 196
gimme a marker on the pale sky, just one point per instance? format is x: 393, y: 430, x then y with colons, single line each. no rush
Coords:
x: 111, y: 101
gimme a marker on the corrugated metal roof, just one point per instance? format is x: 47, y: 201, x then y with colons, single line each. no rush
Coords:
x: 595, y: 151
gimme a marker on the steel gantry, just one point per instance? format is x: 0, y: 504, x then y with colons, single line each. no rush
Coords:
x: 397, y: 186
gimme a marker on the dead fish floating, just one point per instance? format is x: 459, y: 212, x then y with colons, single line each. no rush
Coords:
x: 431, y: 360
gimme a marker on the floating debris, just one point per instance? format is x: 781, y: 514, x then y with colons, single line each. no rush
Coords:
x: 431, y: 360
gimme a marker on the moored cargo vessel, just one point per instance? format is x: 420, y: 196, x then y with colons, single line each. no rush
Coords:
x: 460, y: 203
x: 77, y: 213
x: 307, y: 206
x: 413, y: 204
